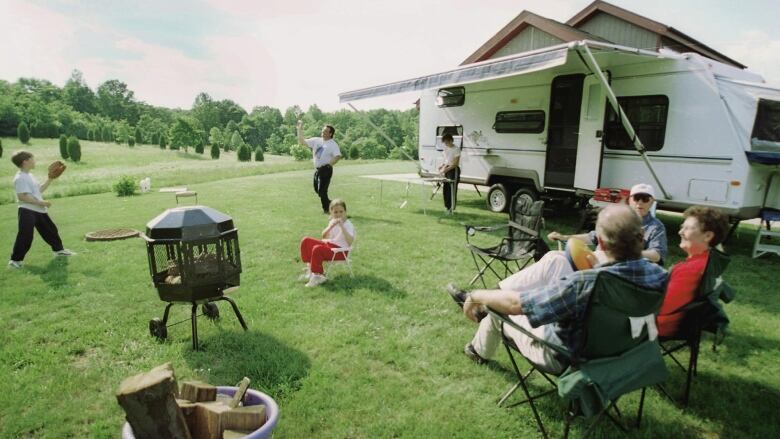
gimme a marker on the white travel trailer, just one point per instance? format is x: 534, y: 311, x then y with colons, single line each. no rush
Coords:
x: 568, y: 119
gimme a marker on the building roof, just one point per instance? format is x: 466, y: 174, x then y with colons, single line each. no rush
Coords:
x: 569, y: 32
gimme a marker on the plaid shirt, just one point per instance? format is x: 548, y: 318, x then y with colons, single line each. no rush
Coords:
x: 563, y: 303
x: 654, y: 236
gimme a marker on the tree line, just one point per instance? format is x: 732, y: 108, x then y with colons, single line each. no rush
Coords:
x: 111, y: 113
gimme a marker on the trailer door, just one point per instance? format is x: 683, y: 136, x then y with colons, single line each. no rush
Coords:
x: 562, y: 132
x: 589, y: 148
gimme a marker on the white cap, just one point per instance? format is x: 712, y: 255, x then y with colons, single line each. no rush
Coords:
x: 642, y: 188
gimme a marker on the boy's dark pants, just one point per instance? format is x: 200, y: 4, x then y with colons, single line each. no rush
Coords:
x: 29, y: 220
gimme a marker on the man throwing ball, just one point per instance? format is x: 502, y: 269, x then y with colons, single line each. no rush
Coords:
x: 326, y: 153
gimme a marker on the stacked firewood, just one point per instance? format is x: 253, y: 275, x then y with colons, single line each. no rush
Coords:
x: 156, y: 407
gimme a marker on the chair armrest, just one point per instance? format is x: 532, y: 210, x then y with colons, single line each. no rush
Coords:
x: 525, y: 229
x: 503, y: 318
x: 486, y: 228
x: 340, y: 250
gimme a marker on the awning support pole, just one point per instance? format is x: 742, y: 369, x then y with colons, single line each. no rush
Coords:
x: 590, y: 60
x: 379, y: 130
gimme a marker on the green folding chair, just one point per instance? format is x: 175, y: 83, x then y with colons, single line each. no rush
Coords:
x: 611, y: 361
x: 704, y: 314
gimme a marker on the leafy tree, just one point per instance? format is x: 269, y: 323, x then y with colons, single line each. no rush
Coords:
x: 78, y: 95
x: 214, y: 151
x: 116, y: 101
x: 370, y: 149
x: 163, y: 141
x: 231, y: 127
x: 206, y: 111
x: 23, y: 132
x: 259, y: 156
x: 236, y: 141
x: 184, y: 133
x: 215, y: 137
x: 74, y: 149
x: 131, y: 141
x: 300, y: 152
x: 139, y: 137
x: 63, y: 146
x: 200, y: 147
x: 108, y: 136
x: 244, y: 153
x: 277, y: 145
x: 354, y: 153
x: 122, y: 132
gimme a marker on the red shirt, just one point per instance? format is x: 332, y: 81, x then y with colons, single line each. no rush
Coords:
x: 684, y: 280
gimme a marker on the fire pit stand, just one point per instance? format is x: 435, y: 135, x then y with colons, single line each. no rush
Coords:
x: 194, y: 259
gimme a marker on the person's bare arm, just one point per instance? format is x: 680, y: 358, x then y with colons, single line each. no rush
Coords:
x: 45, y: 184
x: 503, y: 301
x: 555, y: 236
x: 299, y: 130
x: 27, y: 198
x: 651, y: 255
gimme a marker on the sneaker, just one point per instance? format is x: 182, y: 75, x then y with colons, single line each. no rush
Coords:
x: 316, y: 279
x: 64, y: 252
x: 473, y: 355
x: 14, y: 264
x: 305, y: 276
x: 458, y: 295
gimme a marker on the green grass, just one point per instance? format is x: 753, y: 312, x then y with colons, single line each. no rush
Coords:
x: 377, y: 355
x: 102, y: 164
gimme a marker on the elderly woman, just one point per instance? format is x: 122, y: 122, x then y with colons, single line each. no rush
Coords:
x: 703, y: 228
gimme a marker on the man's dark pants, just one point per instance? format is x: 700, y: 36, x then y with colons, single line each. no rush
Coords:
x: 321, y: 182
x: 29, y: 221
x: 451, y: 189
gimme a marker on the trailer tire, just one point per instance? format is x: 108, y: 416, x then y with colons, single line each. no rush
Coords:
x: 497, y: 198
x: 527, y: 193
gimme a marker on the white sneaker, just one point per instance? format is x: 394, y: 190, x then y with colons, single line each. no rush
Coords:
x: 305, y: 276
x: 316, y: 279
x: 15, y: 264
x: 64, y: 252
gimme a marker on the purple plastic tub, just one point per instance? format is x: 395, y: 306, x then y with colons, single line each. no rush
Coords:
x: 252, y: 397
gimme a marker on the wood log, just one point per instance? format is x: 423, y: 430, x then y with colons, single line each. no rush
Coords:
x: 206, y: 420
x: 149, y: 402
x: 235, y: 434
x: 249, y: 417
x: 240, y: 392
x: 197, y: 391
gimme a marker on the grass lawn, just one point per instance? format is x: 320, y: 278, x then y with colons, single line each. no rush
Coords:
x: 377, y: 355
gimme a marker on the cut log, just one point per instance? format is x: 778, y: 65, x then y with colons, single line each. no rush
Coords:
x: 206, y: 420
x: 235, y: 434
x: 240, y: 392
x: 197, y: 391
x: 149, y: 402
x: 250, y: 418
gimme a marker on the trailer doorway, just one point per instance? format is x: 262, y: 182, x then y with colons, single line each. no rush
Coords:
x: 563, y: 131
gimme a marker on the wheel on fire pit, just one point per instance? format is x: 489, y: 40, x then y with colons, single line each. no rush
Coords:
x: 158, y: 329
x: 210, y: 310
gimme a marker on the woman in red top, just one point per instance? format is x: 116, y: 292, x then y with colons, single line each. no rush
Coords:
x: 703, y: 228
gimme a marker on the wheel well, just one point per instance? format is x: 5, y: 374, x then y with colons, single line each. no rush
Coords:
x: 511, y: 183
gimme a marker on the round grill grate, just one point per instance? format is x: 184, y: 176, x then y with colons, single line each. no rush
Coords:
x: 111, y: 234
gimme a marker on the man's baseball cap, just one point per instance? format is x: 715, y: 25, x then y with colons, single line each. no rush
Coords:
x: 642, y: 188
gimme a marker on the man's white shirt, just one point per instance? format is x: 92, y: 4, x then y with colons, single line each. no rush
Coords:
x: 324, y: 150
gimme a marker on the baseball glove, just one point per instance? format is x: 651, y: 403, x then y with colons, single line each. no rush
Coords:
x: 56, y: 169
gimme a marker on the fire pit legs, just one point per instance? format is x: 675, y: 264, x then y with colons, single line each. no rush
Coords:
x: 194, y: 327
x: 235, y: 310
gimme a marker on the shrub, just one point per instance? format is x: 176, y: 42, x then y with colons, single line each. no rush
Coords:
x: 236, y: 141
x: 64, y: 147
x: 214, y: 151
x: 163, y: 141
x: 354, y: 153
x: 74, y: 149
x: 155, y: 138
x: 300, y: 152
x: 199, y: 147
x: 126, y: 186
x: 23, y: 132
x: 139, y: 138
x: 244, y: 153
x: 259, y: 157
x: 131, y: 141
x: 1, y: 148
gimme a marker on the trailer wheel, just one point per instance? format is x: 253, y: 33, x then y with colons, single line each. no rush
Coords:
x: 210, y: 310
x: 157, y: 329
x: 527, y: 193
x: 497, y: 198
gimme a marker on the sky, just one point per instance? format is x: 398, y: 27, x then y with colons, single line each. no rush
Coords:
x: 285, y: 52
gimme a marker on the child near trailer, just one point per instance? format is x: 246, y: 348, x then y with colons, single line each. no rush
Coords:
x: 339, y: 234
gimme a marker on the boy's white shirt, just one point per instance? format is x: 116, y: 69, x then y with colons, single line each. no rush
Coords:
x: 337, y: 237
x: 25, y: 183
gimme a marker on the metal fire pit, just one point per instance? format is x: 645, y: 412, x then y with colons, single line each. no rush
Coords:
x: 194, y: 258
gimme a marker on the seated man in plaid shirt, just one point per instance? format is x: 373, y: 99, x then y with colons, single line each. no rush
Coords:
x: 556, y: 312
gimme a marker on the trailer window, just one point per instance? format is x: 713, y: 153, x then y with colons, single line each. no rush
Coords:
x: 456, y: 131
x: 766, y: 128
x: 451, y: 97
x: 519, y: 121
x: 647, y: 115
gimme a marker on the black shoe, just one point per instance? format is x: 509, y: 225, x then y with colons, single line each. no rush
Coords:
x: 473, y: 355
x: 458, y: 295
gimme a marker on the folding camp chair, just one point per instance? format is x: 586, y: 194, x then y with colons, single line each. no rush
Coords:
x: 703, y: 314
x: 522, y: 243
x: 611, y: 362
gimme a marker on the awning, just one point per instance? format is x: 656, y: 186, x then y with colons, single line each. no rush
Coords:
x: 491, y: 69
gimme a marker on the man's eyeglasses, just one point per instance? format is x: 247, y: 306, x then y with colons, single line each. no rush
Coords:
x: 641, y: 197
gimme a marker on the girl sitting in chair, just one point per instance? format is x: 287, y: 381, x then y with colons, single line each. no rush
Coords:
x: 339, y: 234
